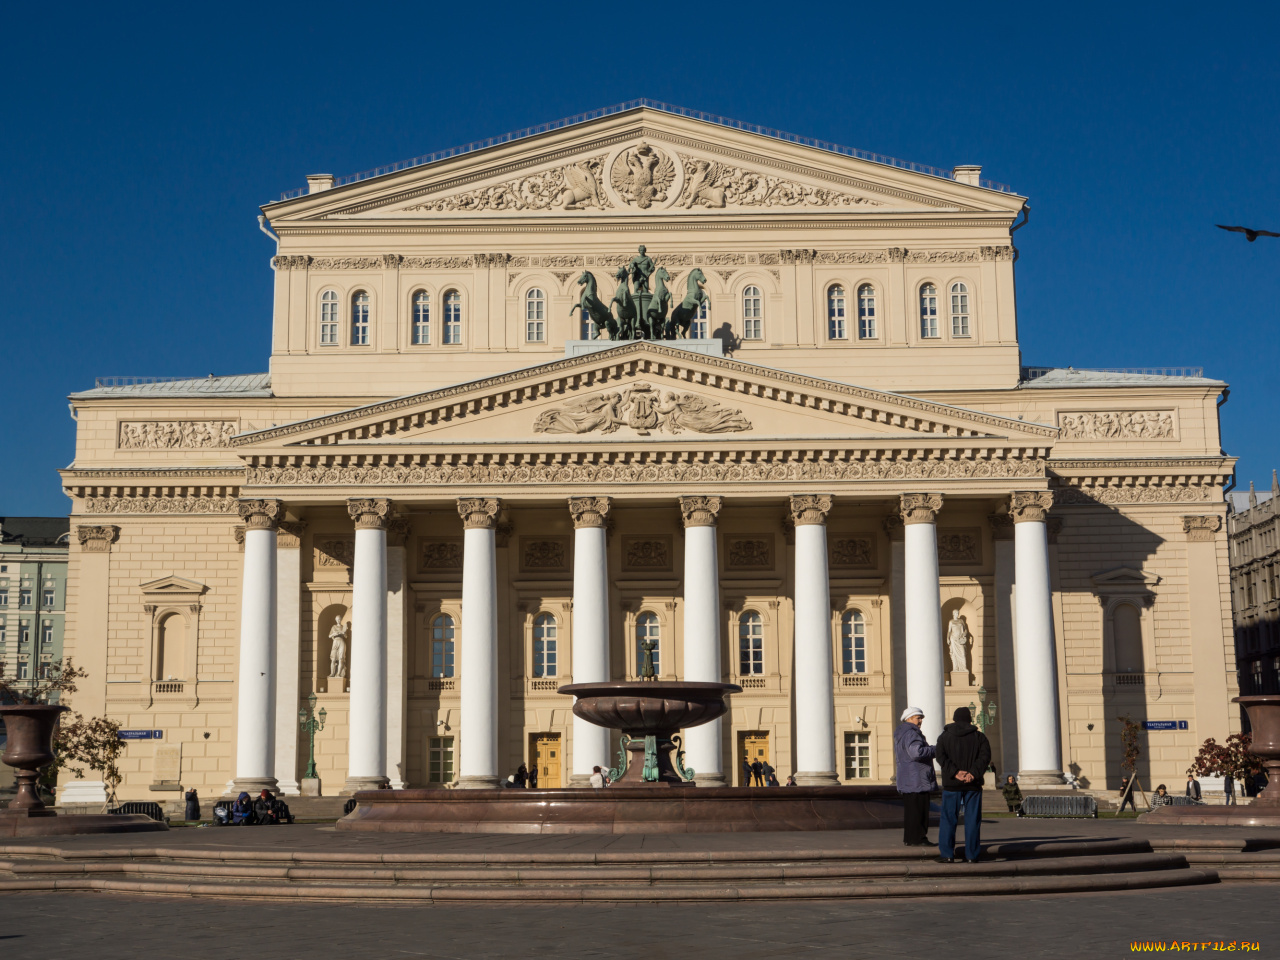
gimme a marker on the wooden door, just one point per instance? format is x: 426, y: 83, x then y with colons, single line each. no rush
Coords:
x: 545, y: 750
x: 754, y: 746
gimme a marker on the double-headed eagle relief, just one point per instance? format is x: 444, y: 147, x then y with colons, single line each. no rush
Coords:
x: 636, y: 312
x: 642, y: 175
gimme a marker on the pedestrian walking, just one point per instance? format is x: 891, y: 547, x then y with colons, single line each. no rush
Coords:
x: 757, y: 773
x: 746, y: 772
x: 1126, y: 797
x: 1012, y: 795
x: 1193, y: 787
x: 963, y: 752
x: 1229, y: 789
x: 913, y: 762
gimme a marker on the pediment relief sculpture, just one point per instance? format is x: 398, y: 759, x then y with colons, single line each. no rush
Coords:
x: 709, y: 183
x: 643, y: 175
x: 575, y: 186
x: 644, y: 409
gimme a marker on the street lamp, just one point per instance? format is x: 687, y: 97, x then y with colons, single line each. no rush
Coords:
x: 309, y: 726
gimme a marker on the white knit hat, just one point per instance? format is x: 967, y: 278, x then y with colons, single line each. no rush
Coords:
x: 910, y: 712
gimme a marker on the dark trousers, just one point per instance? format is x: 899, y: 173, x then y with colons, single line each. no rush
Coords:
x: 1127, y: 801
x: 952, y: 801
x: 915, y: 818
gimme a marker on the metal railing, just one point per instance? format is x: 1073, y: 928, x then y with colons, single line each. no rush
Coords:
x: 1034, y: 373
x: 653, y: 105
x: 1068, y: 805
x: 168, y: 686
x: 135, y: 381
x: 854, y: 680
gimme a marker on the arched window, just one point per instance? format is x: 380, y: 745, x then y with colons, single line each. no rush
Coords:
x: 442, y: 646
x: 453, y: 317
x: 959, y: 310
x: 836, y: 327
x: 928, y: 310
x: 535, y: 316
x: 360, y: 319
x: 586, y: 329
x: 853, y: 643
x: 1126, y: 635
x: 421, y: 317
x: 750, y: 644
x: 329, y: 318
x: 648, y: 628
x: 544, y: 646
x: 700, y: 328
x: 866, y: 312
x: 752, y: 314
x: 171, y: 636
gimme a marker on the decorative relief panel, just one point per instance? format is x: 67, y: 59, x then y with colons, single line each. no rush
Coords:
x: 642, y: 175
x: 960, y: 547
x: 644, y: 409
x: 176, y: 434
x: 943, y: 256
x: 1074, y: 496
x: 646, y: 554
x: 853, y: 551
x: 338, y: 552
x: 439, y: 553
x: 1117, y: 425
x: 749, y: 552
x: 852, y: 256
x: 544, y: 554
x: 709, y: 183
x: 577, y: 186
x: 161, y: 505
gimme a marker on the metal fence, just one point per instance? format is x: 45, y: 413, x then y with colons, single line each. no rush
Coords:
x: 653, y: 105
x: 1067, y: 805
x: 1034, y: 373
x: 145, y: 807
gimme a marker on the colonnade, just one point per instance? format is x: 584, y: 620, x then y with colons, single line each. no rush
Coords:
x: 814, y: 694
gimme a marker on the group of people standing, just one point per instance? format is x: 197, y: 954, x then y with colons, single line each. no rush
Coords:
x: 963, y: 753
x: 758, y: 773
x: 525, y: 777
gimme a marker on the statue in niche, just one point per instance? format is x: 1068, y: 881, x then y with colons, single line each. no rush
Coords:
x: 958, y: 638
x: 338, y: 648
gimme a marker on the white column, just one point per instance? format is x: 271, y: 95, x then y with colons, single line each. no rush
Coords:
x: 478, y: 654
x: 922, y: 613
x: 397, y: 678
x: 814, y: 665
x: 590, y: 637
x: 288, y: 649
x: 367, y: 716
x: 255, y: 713
x: 1007, y: 686
x: 1039, y: 745
x: 704, y: 748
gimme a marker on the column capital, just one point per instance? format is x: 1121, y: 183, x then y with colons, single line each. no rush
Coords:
x: 261, y: 514
x: 97, y: 539
x: 1001, y: 525
x: 478, y: 513
x: 370, y: 513
x: 589, y: 511
x: 700, y: 511
x: 919, y: 507
x: 810, y: 508
x: 1201, y: 528
x: 290, y: 535
x: 1030, y: 507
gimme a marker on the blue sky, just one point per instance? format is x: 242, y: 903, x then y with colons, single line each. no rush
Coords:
x: 139, y: 142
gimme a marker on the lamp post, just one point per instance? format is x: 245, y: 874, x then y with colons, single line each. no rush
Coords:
x: 309, y: 726
x: 985, y: 715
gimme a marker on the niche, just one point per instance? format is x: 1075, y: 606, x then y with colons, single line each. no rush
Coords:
x: 333, y: 629
x: 171, y: 642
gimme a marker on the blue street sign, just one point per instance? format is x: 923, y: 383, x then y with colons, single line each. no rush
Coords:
x: 1164, y: 725
x: 141, y: 734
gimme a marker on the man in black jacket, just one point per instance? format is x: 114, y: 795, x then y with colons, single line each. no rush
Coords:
x: 963, y: 752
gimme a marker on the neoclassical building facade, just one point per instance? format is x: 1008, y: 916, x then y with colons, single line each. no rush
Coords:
x: 464, y: 482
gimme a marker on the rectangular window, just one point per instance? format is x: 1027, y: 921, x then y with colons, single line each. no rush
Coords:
x: 701, y: 326
x: 442, y: 658
x: 836, y: 329
x: 959, y: 314
x: 329, y: 320
x: 544, y: 658
x: 2, y: 632
x: 4, y: 598
x: 440, y: 760
x: 752, y: 314
x: 23, y: 668
x: 360, y: 320
x: 422, y: 319
x: 46, y: 632
x: 24, y: 598
x: 586, y: 329
x: 24, y: 633
x: 928, y: 311
x: 866, y: 314
x: 535, y: 331
x: 48, y: 598
x: 857, y: 756
x: 453, y: 318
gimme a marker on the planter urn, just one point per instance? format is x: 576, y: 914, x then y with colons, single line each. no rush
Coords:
x: 1264, y: 718
x: 29, y: 748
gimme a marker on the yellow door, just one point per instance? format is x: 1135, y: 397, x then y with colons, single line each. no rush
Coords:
x: 755, y: 746
x: 546, y: 754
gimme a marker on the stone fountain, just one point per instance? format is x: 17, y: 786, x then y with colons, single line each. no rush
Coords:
x: 649, y: 716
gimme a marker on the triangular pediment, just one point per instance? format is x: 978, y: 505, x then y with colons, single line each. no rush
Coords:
x: 172, y: 586
x: 656, y: 393
x: 1125, y: 577
x: 643, y: 162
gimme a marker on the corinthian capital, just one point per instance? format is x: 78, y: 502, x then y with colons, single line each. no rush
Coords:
x: 810, y: 508
x: 920, y: 507
x: 97, y: 539
x: 699, y: 511
x: 589, y: 511
x: 1201, y: 528
x: 370, y: 513
x: 260, y: 514
x: 1032, y: 507
x: 478, y: 513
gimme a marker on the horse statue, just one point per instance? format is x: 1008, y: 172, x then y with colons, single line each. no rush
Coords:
x: 655, y: 314
x: 600, y: 315
x: 627, y: 317
x: 682, y: 316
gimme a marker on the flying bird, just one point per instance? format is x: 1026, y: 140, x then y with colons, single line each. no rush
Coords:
x: 1249, y: 232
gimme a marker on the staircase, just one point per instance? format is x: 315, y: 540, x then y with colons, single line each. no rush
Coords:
x: 566, y: 876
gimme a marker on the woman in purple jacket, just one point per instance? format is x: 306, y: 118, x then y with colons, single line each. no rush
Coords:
x: 913, y: 757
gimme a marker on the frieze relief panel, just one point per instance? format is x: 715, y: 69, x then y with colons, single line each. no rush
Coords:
x: 176, y: 434
x: 853, y: 551
x: 1117, y: 425
x: 646, y: 554
x: 644, y: 409
x: 960, y: 547
x: 749, y: 552
x: 337, y: 552
x: 439, y: 553
x: 161, y: 505
x: 544, y: 554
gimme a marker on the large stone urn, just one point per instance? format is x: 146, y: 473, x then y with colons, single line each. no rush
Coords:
x: 29, y: 748
x: 1264, y: 718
